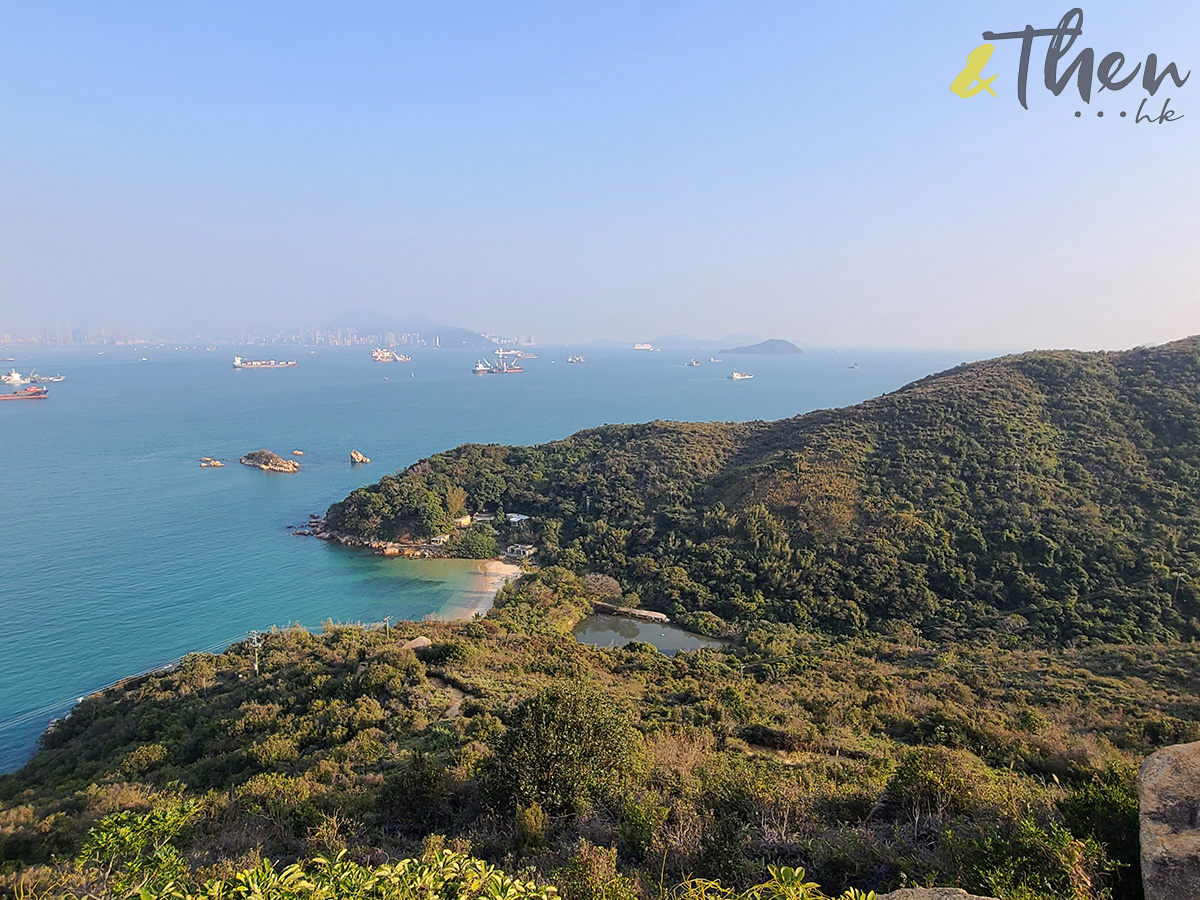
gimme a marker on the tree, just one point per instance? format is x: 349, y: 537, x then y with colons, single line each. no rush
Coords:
x: 566, y: 748
x: 477, y: 544
x: 456, y: 501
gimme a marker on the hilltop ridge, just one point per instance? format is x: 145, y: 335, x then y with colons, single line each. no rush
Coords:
x: 1048, y: 496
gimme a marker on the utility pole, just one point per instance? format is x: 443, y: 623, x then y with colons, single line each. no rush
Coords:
x: 255, y: 642
x: 386, y: 626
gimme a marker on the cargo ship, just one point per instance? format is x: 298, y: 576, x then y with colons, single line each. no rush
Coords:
x: 30, y: 393
x: 384, y: 355
x: 239, y: 363
x: 500, y: 367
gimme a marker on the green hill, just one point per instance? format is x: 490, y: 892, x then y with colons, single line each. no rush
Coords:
x: 1046, y: 497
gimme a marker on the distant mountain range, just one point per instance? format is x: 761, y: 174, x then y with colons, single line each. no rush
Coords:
x: 367, y: 322
x: 772, y: 347
x: 685, y: 342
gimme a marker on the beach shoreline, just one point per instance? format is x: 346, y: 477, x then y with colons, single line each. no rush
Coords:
x: 490, y: 575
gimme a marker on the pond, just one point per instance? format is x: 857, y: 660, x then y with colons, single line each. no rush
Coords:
x: 603, y: 630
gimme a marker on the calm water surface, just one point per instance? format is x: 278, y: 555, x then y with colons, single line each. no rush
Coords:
x: 603, y: 630
x: 118, y: 553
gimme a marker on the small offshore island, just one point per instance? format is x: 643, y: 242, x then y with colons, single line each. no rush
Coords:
x: 269, y: 462
x: 957, y: 620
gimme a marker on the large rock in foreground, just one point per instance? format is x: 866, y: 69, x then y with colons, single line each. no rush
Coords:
x: 932, y: 894
x: 269, y: 462
x: 1169, y: 810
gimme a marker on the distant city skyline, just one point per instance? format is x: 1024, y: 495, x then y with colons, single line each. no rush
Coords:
x: 615, y: 171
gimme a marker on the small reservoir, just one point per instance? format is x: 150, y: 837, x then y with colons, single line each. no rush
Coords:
x: 606, y: 631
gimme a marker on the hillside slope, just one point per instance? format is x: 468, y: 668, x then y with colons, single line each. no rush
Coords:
x: 1046, y: 497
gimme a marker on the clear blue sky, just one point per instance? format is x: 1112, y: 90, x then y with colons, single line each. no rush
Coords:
x: 616, y: 169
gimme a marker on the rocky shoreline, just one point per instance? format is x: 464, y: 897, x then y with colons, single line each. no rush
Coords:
x: 411, y: 550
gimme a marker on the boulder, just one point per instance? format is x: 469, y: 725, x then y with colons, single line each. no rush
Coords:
x: 356, y: 457
x: 269, y: 462
x: 1169, y: 813
x: 417, y: 643
x: 932, y: 894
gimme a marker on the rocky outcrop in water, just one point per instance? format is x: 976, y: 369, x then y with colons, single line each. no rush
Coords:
x: 356, y: 457
x: 269, y: 462
x: 1169, y: 810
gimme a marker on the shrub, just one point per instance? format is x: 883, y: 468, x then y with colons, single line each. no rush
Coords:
x: 566, y: 748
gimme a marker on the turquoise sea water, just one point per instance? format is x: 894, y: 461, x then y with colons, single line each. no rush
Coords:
x: 118, y: 553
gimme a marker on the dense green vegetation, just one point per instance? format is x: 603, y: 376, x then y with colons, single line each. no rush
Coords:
x: 871, y: 762
x: 1046, y: 498
x: 958, y: 617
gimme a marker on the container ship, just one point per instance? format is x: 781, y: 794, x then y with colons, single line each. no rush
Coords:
x: 239, y: 363
x: 30, y: 393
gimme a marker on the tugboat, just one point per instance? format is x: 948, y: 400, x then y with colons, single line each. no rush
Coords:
x: 30, y: 393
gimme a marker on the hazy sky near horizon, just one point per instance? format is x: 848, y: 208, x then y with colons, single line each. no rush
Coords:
x: 601, y: 170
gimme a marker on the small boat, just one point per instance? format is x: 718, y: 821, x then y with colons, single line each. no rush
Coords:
x: 30, y: 393
x: 643, y: 347
x: 521, y: 354
x: 575, y: 359
x: 740, y: 376
x: 713, y: 359
x: 692, y: 363
x: 855, y: 366
x: 14, y: 377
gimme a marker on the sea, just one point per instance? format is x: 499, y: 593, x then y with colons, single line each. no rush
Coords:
x: 120, y: 554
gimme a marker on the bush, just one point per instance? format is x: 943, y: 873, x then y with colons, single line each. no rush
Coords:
x: 566, y: 748
x: 938, y: 782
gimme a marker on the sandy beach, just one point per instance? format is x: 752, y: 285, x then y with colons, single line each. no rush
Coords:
x: 490, y: 575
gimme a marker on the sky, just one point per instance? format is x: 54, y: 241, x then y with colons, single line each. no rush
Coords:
x: 580, y: 171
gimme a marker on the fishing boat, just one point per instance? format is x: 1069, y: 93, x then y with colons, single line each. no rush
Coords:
x: 30, y: 393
